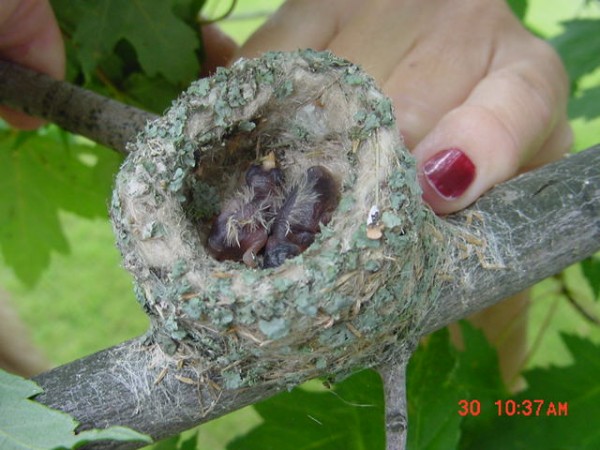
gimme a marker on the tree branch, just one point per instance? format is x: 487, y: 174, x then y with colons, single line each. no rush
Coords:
x: 519, y: 233
x: 75, y: 109
x: 530, y: 228
x: 396, y: 408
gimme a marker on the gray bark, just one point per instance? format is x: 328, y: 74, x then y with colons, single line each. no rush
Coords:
x: 534, y: 226
x: 396, y: 408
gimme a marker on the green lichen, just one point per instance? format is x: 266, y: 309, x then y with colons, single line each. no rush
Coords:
x: 179, y: 269
x: 221, y: 316
x: 379, y: 114
x: 264, y: 76
x: 372, y: 265
x: 284, y: 89
x: 167, y: 344
x: 174, y: 330
x: 152, y: 230
x: 320, y: 363
x: 301, y: 132
x: 199, y: 88
x: 204, y: 201
x: 337, y: 336
x: 150, y: 167
x: 346, y: 204
x: 362, y: 242
x: 193, y: 308
x: 338, y: 303
x: 236, y: 96
x: 222, y: 113
x: 354, y: 77
x: 391, y: 220
x: 232, y: 380
x: 306, y: 303
x: 275, y: 328
x: 178, y: 179
x: 283, y: 323
x: 246, y: 125
x: 384, y: 111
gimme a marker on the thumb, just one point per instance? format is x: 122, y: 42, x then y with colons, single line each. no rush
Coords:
x: 509, y: 121
x: 30, y: 36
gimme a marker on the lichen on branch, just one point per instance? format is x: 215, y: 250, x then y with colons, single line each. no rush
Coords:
x: 349, y: 298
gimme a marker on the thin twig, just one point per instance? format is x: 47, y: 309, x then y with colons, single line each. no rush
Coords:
x: 232, y: 5
x: 396, y: 408
x: 567, y: 292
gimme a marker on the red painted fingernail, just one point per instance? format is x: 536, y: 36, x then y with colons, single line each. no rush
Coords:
x: 450, y: 172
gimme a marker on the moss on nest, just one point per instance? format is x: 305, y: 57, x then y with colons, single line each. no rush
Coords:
x: 347, y: 299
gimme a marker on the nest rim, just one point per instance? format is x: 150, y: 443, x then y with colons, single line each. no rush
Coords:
x: 305, y: 305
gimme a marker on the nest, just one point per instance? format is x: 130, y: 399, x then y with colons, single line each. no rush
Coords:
x: 358, y: 291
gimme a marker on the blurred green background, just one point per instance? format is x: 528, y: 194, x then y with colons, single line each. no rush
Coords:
x: 84, y: 302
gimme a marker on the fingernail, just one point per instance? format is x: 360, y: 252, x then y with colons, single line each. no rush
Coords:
x: 450, y: 172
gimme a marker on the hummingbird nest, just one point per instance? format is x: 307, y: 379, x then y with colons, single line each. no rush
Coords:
x: 363, y: 281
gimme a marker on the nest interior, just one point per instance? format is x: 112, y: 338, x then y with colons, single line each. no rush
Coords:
x: 341, y: 304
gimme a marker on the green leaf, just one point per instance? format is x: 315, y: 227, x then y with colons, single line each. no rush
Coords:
x: 586, y: 104
x: 165, y: 444
x: 25, y: 424
x: 190, y: 443
x: 13, y: 387
x: 478, y: 370
x: 579, y: 47
x: 177, y: 442
x: 349, y: 417
x: 187, y: 10
x: 432, y: 397
x: 577, y: 385
x: 41, y: 174
x: 164, y: 44
x: 591, y: 271
x: 439, y: 377
x: 519, y: 8
x: 154, y: 93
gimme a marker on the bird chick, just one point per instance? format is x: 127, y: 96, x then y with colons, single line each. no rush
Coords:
x: 241, y: 230
x: 307, y: 204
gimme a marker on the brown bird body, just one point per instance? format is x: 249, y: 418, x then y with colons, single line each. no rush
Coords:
x: 308, y: 203
x: 241, y: 230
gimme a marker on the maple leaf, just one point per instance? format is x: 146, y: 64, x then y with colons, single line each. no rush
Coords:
x: 27, y: 425
x: 551, y: 426
x: 40, y: 175
x: 164, y: 44
x: 351, y: 416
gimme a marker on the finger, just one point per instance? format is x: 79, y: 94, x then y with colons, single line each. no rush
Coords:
x: 17, y: 119
x: 557, y: 145
x: 508, y: 116
x: 423, y: 89
x: 378, y: 35
x: 218, y: 49
x: 297, y: 24
x: 31, y: 37
x: 451, y: 54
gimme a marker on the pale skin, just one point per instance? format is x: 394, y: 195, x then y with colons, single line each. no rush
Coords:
x: 29, y: 35
x: 462, y: 74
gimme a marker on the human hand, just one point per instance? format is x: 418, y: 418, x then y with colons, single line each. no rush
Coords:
x: 477, y: 97
x: 29, y: 35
